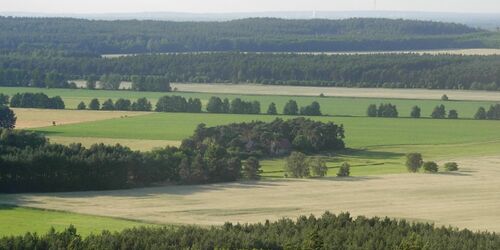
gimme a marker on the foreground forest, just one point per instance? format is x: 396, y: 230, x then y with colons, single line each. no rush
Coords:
x: 92, y: 37
x: 327, y: 232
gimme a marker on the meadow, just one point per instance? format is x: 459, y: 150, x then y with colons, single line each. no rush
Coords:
x: 18, y: 220
x: 338, y: 106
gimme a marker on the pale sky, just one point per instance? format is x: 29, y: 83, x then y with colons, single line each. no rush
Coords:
x: 214, y: 6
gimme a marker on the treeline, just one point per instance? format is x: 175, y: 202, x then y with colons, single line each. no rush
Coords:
x: 439, y: 112
x: 279, y: 137
x: 493, y: 113
x: 378, y: 71
x: 29, y: 163
x: 95, y: 37
x: 36, y: 100
x: 326, y: 232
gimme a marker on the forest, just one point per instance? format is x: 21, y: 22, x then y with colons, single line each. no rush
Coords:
x: 329, y: 231
x: 29, y: 163
x: 94, y: 37
x: 387, y: 71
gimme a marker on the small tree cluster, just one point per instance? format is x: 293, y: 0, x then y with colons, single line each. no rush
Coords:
x: 383, y: 110
x: 313, y: 109
x: 493, y: 113
x: 430, y: 167
x: 236, y: 106
x: 142, y: 104
x: 36, y: 100
x: 178, y: 104
x: 439, y: 112
x: 298, y: 165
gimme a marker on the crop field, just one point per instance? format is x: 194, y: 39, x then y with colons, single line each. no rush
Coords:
x: 466, y: 199
x: 16, y: 221
x: 338, y: 106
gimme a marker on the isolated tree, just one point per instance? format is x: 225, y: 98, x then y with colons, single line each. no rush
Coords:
x: 445, y: 98
x: 452, y: 114
x: 251, y: 169
x: 344, y: 170
x: 81, y: 106
x: 480, y: 114
x: 271, y: 110
x: 414, y: 162
x: 291, y: 108
x: 297, y: 165
x: 4, y: 99
x: 430, y: 167
x: 94, y: 104
x: 7, y: 118
x: 415, y: 112
x: 451, y: 166
x: 108, y: 105
x: 439, y: 112
x: 318, y: 167
x: 372, y: 110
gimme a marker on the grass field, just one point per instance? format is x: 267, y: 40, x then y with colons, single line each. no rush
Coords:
x: 19, y: 220
x: 465, y: 199
x: 339, y: 106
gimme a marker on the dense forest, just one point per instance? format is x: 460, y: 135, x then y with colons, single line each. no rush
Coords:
x: 326, y: 232
x: 93, y: 37
x: 388, y: 70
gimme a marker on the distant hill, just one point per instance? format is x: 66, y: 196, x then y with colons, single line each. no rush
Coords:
x: 83, y: 36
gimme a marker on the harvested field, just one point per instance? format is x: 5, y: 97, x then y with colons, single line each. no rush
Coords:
x: 465, y: 199
x: 426, y: 94
x: 35, y: 118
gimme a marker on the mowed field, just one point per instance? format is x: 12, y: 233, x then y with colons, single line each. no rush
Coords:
x: 466, y: 199
x: 338, y: 106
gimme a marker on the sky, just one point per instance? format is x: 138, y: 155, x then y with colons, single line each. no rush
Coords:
x: 224, y: 6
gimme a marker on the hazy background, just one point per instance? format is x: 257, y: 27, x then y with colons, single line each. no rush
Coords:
x: 211, y: 6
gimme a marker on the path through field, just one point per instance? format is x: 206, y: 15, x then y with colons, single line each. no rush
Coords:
x: 466, y: 199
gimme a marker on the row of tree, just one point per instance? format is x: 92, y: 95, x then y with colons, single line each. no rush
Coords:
x: 298, y: 165
x: 493, y: 113
x: 326, y: 232
x: 389, y: 110
x: 414, y: 162
x: 376, y: 70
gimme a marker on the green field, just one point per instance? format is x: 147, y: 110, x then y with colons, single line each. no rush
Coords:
x: 377, y: 145
x: 338, y: 106
x: 19, y: 220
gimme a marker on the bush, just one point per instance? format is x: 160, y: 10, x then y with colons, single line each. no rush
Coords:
x: 439, y: 112
x: 414, y: 162
x: 453, y: 114
x: 480, y: 114
x: 297, y: 166
x: 344, y: 170
x: 445, y: 98
x: 372, y: 110
x: 451, y: 166
x: 318, y: 167
x: 415, y: 112
x: 291, y: 108
x: 430, y: 167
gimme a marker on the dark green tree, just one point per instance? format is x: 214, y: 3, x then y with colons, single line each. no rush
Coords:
x: 142, y: 104
x: 108, y: 105
x: 81, y: 106
x: 414, y: 162
x: 480, y: 114
x: 291, y: 108
x: 94, y: 104
x: 344, y: 170
x: 123, y: 104
x: 297, y: 165
x: 215, y: 105
x: 452, y: 114
x: 4, y: 99
x: 372, y: 110
x: 271, y: 110
x: 439, y: 112
x: 251, y: 169
x: 7, y: 118
x: 430, y: 167
x: 415, y: 112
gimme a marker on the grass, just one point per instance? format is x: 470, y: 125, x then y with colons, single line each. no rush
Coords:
x: 340, y: 106
x: 19, y: 220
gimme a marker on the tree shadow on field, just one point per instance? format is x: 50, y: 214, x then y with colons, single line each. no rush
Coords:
x: 47, y: 133
x: 349, y: 179
x: 461, y: 173
x: 368, y: 154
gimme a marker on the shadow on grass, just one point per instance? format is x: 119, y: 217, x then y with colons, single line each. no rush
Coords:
x: 368, y: 154
x: 45, y: 132
x: 462, y: 173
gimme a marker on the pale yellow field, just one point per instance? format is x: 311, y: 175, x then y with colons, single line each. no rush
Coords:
x: 141, y: 145
x: 338, y: 92
x: 35, y: 118
x: 466, y: 199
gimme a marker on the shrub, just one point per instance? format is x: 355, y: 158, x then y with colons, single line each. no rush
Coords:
x: 453, y: 114
x: 414, y: 162
x: 445, y: 98
x: 344, y: 170
x: 430, y: 167
x: 451, y: 166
